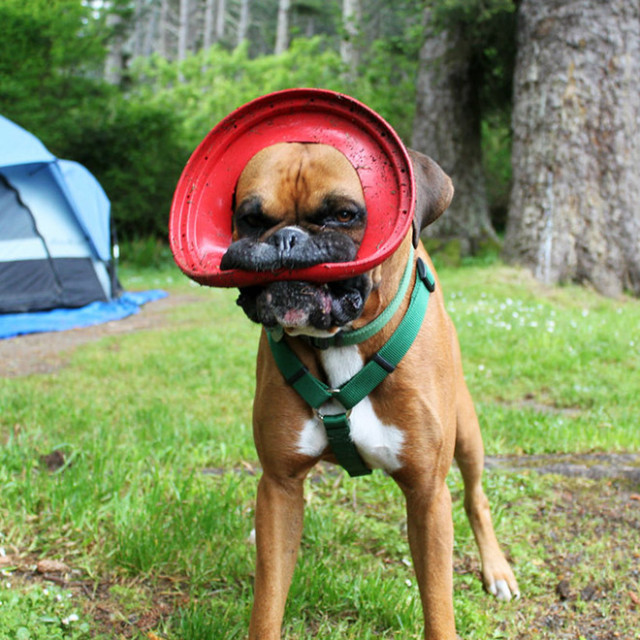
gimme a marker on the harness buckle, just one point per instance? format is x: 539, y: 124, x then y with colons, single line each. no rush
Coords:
x: 321, y: 416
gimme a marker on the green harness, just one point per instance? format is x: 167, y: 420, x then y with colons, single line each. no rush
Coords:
x: 315, y: 392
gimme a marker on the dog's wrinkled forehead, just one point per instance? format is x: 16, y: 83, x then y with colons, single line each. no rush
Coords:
x: 292, y: 179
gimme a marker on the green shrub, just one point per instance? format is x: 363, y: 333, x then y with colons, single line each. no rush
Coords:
x: 208, y: 85
x: 135, y: 151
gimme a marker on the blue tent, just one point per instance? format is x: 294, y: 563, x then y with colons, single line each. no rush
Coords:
x: 55, y: 236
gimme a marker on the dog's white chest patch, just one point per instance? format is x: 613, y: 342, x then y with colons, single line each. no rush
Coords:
x: 378, y: 444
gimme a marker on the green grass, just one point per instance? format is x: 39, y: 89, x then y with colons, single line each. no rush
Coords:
x: 154, y: 505
x: 37, y: 611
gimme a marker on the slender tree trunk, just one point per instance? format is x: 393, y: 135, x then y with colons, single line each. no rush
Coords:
x: 282, y: 33
x: 163, y: 29
x: 209, y: 15
x: 221, y: 12
x: 183, y: 29
x: 114, y: 62
x: 576, y: 143
x: 447, y: 127
x: 351, y: 21
x: 243, y: 22
x: 150, y: 35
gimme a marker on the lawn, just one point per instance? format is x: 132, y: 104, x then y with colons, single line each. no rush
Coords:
x: 134, y: 466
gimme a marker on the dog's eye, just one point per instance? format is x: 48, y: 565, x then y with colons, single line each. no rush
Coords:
x: 344, y: 216
x: 339, y: 212
x: 251, y: 220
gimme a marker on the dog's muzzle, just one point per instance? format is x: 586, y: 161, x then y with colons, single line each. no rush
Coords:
x: 295, y: 304
x: 300, y: 305
x: 289, y: 248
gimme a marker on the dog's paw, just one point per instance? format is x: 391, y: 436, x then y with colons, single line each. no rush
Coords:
x: 503, y: 591
x: 501, y: 583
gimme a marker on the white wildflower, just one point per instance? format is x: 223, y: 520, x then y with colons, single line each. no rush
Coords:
x: 72, y: 618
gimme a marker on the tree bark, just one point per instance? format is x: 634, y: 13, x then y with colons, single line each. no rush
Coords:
x: 573, y: 212
x: 447, y: 127
x: 351, y: 20
x: 282, y: 33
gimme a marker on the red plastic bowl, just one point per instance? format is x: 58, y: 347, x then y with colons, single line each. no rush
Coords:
x: 200, y: 225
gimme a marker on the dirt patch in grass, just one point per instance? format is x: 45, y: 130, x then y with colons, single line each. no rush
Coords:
x: 595, y: 466
x: 47, y: 352
x: 590, y: 537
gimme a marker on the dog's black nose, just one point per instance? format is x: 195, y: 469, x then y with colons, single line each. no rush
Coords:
x: 285, y: 239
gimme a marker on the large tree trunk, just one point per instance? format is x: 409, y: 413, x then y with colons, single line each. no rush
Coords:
x: 447, y: 127
x: 282, y: 33
x: 576, y: 150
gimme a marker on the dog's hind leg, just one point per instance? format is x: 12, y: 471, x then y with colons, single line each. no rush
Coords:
x: 497, y: 575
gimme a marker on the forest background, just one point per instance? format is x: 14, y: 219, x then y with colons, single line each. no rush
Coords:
x: 531, y: 107
x: 130, y: 459
x: 130, y: 87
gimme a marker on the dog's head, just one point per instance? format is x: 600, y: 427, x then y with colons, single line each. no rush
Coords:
x: 298, y: 205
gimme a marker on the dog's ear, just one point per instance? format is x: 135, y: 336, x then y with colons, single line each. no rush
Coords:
x: 434, y: 191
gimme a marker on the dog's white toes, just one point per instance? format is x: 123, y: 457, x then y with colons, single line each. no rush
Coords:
x: 500, y: 589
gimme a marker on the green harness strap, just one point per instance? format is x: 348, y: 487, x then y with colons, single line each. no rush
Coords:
x: 315, y: 392
x: 356, y: 336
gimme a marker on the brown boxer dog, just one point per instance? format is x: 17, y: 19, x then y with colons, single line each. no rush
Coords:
x: 298, y: 205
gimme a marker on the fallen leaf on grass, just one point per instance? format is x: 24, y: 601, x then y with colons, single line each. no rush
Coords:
x: 634, y: 598
x: 52, y: 566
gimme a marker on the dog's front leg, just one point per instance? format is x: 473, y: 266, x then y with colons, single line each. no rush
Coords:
x: 430, y: 531
x: 279, y: 515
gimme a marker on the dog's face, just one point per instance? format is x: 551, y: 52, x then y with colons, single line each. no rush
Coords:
x: 298, y: 205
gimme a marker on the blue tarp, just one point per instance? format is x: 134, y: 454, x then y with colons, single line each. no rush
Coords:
x: 15, y: 324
